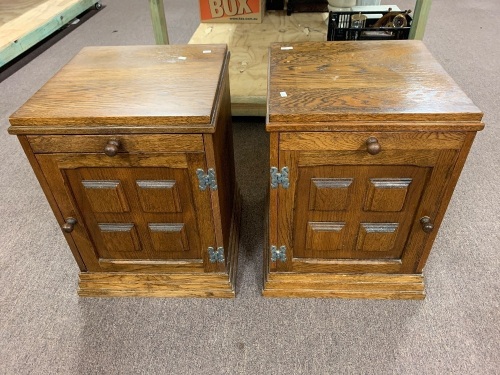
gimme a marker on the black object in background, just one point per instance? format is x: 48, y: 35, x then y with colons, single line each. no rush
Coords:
x: 275, y: 4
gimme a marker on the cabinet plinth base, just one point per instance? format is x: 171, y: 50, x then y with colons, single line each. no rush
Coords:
x: 101, y: 284
x: 366, y: 286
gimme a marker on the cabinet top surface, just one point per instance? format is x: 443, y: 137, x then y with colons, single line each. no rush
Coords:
x: 396, y: 81
x: 130, y: 85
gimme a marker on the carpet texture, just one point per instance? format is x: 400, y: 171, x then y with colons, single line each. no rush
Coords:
x: 46, y: 329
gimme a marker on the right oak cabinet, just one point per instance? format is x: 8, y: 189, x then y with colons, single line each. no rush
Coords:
x: 367, y: 141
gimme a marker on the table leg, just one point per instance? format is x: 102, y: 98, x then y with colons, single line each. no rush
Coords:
x: 422, y: 8
x: 159, y: 22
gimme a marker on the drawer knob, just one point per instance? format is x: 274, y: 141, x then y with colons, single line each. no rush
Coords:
x: 112, y: 147
x: 427, y: 225
x: 372, y: 146
x: 69, y: 225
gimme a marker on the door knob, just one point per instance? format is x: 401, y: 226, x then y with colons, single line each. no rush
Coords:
x: 69, y: 225
x: 427, y: 225
x: 372, y: 146
x: 112, y: 147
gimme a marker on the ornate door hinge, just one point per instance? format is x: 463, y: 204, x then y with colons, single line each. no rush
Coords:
x: 216, y: 256
x: 278, y: 254
x: 278, y: 178
x: 206, y: 180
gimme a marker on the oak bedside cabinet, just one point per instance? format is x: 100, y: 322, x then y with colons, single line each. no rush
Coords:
x: 133, y: 149
x: 367, y: 142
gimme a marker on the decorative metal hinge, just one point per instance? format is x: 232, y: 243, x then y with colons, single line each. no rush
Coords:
x: 216, y: 256
x: 279, y: 178
x: 278, y: 254
x: 206, y: 180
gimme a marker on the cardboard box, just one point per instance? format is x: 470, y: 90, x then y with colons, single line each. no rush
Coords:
x: 232, y: 11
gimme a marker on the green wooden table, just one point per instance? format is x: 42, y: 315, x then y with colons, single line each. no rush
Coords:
x: 24, y: 23
x: 420, y: 15
x: 159, y: 21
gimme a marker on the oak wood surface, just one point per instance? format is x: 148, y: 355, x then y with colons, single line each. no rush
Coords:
x: 154, y: 285
x: 375, y: 126
x: 173, y: 234
x: 139, y: 85
x: 344, y: 278
x: 403, y: 141
x: 362, y: 81
x: 49, y: 194
x: 220, y: 157
x: 134, y: 266
x: 166, y: 278
x: 394, y: 157
x: 273, y: 202
x: 348, y: 239
x: 382, y: 266
x: 372, y: 286
x: 447, y: 193
x: 428, y: 176
x: 286, y: 210
x: 127, y: 143
x: 63, y: 171
x: 374, y: 137
x: 129, y: 186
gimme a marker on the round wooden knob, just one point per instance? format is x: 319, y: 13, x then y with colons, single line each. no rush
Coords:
x: 112, y: 147
x: 69, y: 225
x: 372, y: 146
x: 427, y: 225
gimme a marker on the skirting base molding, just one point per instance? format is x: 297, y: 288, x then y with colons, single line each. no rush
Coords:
x: 370, y: 286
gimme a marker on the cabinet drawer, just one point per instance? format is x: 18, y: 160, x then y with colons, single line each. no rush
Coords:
x: 357, y: 141
x: 125, y: 143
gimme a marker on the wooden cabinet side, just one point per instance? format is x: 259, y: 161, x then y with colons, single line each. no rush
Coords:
x: 50, y: 197
x: 447, y: 194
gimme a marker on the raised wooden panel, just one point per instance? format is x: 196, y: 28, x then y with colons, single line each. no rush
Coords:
x: 375, y: 194
x: 106, y: 196
x: 324, y: 235
x: 386, y: 194
x: 329, y: 194
x: 377, y: 236
x: 158, y: 196
x: 118, y: 237
x: 154, y: 195
x: 168, y: 237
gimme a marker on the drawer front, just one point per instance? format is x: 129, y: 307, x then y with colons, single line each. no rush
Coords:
x: 117, y: 143
x: 370, y: 142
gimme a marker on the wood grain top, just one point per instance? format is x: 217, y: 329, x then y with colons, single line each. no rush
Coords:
x: 136, y: 86
x: 363, y: 81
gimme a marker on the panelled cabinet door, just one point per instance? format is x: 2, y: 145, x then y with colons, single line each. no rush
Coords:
x: 132, y: 209
x: 349, y: 211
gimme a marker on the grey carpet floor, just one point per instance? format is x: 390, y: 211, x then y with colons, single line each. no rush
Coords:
x: 47, y: 329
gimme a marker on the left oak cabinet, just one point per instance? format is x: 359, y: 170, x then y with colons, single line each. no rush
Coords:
x: 133, y: 149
